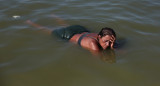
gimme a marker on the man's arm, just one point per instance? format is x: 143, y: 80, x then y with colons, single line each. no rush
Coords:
x: 94, y: 48
x: 112, y: 41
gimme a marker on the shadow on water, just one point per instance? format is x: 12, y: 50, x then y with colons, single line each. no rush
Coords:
x: 120, y: 43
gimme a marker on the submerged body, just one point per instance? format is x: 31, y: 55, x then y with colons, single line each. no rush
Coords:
x: 94, y: 42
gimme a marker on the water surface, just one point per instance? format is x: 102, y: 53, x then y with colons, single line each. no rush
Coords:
x: 28, y: 57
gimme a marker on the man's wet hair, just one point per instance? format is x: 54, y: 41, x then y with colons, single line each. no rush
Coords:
x: 107, y: 31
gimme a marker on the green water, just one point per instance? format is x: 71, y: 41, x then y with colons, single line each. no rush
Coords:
x: 28, y: 57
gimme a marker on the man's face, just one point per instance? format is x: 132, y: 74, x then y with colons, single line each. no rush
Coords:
x: 105, y: 41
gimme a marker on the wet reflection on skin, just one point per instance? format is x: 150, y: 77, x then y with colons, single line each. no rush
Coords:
x: 108, y: 56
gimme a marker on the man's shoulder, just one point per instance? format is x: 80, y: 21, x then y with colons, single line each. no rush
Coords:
x: 94, y: 45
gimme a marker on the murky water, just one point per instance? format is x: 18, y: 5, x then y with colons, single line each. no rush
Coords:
x: 28, y: 57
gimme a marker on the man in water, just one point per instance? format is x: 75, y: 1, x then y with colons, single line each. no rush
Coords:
x: 80, y: 35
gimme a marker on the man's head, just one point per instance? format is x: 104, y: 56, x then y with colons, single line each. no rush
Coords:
x: 107, y: 31
x: 106, y: 37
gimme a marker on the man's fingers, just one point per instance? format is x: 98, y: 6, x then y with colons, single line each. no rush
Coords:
x: 111, y: 40
x: 113, y: 37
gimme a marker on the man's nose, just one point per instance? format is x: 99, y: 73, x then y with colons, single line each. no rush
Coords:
x: 107, y: 43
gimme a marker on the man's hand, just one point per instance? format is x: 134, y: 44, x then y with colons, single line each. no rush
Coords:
x: 112, y: 42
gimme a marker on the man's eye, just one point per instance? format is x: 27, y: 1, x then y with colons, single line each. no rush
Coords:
x: 106, y: 40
